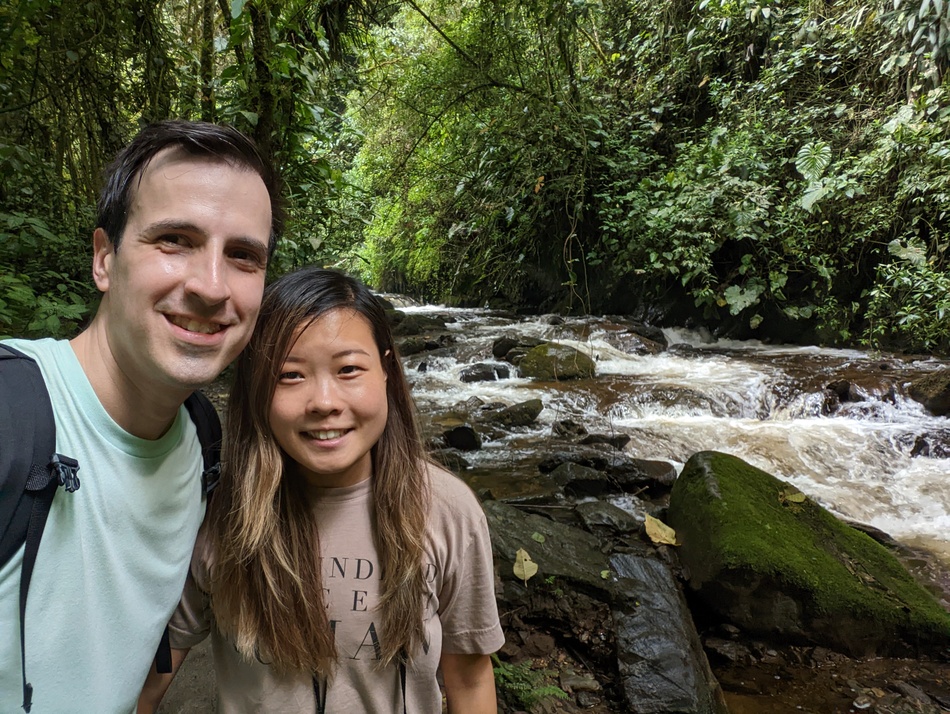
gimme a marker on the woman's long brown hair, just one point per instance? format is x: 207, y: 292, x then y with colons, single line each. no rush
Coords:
x: 266, y: 584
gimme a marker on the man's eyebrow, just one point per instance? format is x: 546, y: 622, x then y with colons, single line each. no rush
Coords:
x: 158, y: 226
x: 249, y: 243
x: 188, y: 227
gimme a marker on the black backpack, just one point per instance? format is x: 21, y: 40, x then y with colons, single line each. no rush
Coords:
x: 31, y: 473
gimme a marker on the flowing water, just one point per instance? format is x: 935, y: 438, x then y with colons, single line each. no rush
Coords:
x: 860, y: 457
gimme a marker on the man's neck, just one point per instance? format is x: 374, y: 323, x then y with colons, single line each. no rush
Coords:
x: 140, y: 407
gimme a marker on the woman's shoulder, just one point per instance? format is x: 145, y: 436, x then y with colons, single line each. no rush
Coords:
x: 450, y: 493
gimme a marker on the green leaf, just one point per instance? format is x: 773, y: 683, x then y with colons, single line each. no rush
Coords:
x: 812, y: 160
x: 539, y: 537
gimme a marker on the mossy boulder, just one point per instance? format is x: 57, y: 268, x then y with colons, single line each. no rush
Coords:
x: 773, y: 562
x: 933, y: 391
x: 553, y: 362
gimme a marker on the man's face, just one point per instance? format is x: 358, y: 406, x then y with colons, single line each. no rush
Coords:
x: 183, y: 289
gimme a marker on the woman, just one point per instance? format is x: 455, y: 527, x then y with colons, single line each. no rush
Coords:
x: 338, y: 570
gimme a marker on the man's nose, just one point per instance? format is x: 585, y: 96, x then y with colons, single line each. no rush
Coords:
x: 208, y: 277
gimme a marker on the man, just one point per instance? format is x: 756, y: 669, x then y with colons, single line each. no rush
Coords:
x: 187, y: 222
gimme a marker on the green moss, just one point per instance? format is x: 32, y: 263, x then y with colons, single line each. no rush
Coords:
x: 753, y: 526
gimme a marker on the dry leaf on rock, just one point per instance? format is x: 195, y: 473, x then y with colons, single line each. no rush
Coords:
x: 525, y: 568
x: 659, y: 532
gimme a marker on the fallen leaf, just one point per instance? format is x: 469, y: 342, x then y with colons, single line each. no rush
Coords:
x: 539, y: 537
x: 525, y: 568
x: 659, y: 532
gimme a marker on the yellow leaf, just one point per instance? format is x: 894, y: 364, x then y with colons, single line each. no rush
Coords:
x: 538, y: 184
x: 659, y: 532
x: 525, y: 568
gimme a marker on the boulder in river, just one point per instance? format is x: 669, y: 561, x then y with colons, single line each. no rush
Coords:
x: 577, y: 589
x: 768, y: 559
x: 553, y: 362
x: 520, y: 414
x: 933, y: 391
x: 484, y: 372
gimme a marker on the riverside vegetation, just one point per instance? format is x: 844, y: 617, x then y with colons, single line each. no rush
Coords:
x: 770, y: 168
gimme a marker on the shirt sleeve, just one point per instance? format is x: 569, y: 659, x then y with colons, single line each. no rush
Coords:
x: 467, y: 607
x: 191, y: 622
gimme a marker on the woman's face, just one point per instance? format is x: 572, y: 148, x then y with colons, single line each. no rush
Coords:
x: 329, y: 408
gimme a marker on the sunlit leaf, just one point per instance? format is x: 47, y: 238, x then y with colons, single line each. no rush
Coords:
x: 524, y: 567
x: 659, y: 532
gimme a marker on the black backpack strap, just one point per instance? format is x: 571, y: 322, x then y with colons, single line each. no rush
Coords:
x: 29, y: 475
x: 208, y: 428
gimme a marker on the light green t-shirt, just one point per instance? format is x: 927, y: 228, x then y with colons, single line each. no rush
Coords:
x: 113, y: 558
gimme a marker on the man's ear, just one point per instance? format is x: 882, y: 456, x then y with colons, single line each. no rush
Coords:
x: 103, y: 258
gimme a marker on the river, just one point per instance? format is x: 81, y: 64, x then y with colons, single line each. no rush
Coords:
x: 768, y: 404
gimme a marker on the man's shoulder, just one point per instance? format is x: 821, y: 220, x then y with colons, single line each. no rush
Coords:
x: 40, y: 350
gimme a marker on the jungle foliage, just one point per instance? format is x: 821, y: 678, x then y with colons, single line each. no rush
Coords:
x: 777, y: 167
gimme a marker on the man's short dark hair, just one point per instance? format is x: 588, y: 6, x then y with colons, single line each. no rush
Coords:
x: 194, y: 138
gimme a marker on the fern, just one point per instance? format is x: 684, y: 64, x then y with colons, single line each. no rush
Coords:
x: 524, y: 685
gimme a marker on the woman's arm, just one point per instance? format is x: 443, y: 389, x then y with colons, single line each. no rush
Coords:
x: 469, y: 683
x: 157, y: 684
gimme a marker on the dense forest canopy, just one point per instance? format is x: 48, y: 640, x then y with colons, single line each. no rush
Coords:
x: 775, y: 168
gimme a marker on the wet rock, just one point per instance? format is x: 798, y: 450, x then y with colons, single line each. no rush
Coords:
x: 634, y: 343
x: 565, y: 552
x: 618, y: 441
x: 463, y: 438
x: 626, y: 474
x: 933, y: 391
x: 521, y: 414
x: 847, y: 391
x: 504, y: 344
x: 516, y: 486
x: 728, y: 650
x: 662, y: 665
x: 789, y: 569
x: 602, y: 517
x: 568, y: 428
x: 484, y: 372
x: 911, y: 692
x: 935, y: 445
x: 581, y: 481
x: 574, y: 682
x: 554, y: 362
x: 415, y: 324
x: 450, y: 459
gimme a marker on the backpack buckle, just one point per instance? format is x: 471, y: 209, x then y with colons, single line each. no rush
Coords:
x: 66, y: 470
x: 210, y: 478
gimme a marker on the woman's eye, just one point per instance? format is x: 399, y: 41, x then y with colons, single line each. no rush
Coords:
x: 350, y: 369
x: 288, y: 376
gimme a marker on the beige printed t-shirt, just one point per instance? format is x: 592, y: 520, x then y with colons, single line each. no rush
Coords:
x: 461, y: 614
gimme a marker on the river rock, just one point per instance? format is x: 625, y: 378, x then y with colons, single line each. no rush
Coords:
x: 463, y: 438
x: 663, y: 668
x: 521, y: 414
x: 933, y: 391
x: 762, y: 556
x: 601, y: 517
x: 506, y: 343
x: 634, y: 343
x: 626, y: 473
x: 554, y: 362
x: 416, y: 324
x: 568, y: 427
x: 618, y: 441
x: 484, y: 372
x: 559, y: 550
